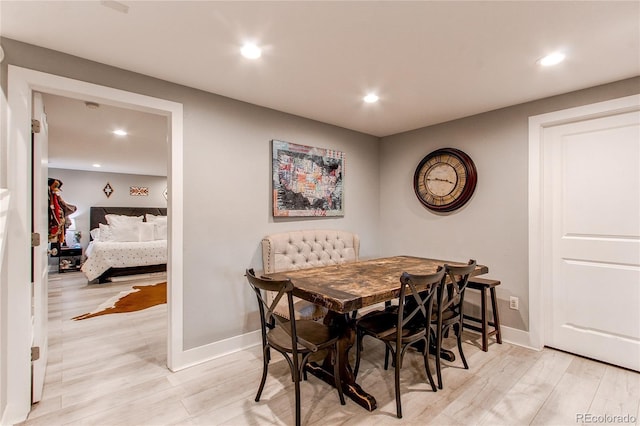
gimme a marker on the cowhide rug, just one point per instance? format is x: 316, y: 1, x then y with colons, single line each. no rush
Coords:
x: 139, y: 298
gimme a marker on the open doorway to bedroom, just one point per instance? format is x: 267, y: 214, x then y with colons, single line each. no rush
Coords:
x: 123, y: 318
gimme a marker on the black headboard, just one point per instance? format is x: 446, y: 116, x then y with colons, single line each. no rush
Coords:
x: 97, y: 214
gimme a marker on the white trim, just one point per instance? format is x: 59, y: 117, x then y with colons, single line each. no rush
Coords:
x: 18, y: 311
x: 510, y: 335
x: 21, y: 83
x: 539, y: 240
x: 5, y: 199
x: 517, y: 337
x: 220, y: 348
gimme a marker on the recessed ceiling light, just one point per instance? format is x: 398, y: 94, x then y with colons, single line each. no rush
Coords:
x: 371, y: 98
x: 96, y: 165
x: 552, y: 59
x: 120, y: 132
x: 251, y: 51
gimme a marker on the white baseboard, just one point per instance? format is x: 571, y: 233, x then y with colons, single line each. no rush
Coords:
x: 224, y: 347
x: 517, y: 337
x: 513, y: 336
x: 215, y: 350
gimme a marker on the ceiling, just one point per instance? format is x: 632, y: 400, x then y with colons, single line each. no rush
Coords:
x: 428, y: 61
x: 80, y: 137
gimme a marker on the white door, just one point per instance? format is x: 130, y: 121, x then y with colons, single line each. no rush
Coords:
x: 592, y: 178
x: 39, y: 306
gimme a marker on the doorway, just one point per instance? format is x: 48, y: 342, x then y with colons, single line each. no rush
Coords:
x: 84, y: 155
x: 22, y: 83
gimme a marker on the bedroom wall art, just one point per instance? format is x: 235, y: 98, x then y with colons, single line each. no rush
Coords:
x: 139, y: 191
x: 307, y: 181
x: 108, y: 190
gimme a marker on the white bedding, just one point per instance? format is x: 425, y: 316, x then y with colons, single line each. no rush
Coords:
x: 104, y: 255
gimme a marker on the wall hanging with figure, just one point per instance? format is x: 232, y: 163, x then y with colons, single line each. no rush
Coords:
x: 59, y: 212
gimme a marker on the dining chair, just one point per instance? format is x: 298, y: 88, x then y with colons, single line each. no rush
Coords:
x: 398, y: 329
x: 449, y: 309
x: 295, y: 339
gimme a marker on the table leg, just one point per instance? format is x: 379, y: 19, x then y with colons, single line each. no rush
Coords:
x: 445, y: 354
x: 325, y: 371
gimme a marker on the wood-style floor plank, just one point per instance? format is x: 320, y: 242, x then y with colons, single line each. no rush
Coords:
x: 110, y: 370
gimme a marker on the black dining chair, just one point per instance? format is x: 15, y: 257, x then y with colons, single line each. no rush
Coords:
x: 449, y: 310
x: 399, y: 329
x: 295, y: 339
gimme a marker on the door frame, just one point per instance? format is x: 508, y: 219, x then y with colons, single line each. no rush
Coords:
x: 39, y: 221
x: 540, y: 261
x: 22, y: 82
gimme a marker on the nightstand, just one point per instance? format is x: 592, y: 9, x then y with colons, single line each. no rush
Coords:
x: 69, y: 259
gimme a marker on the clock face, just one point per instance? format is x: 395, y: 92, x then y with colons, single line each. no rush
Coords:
x: 445, y: 179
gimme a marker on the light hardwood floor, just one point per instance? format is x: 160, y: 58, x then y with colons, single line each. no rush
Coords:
x: 110, y: 370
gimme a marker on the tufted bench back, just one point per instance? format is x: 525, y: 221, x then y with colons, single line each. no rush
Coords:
x: 305, y: 249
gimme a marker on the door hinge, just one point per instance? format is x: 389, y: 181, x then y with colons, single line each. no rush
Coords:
x: 35, y: 353
x: 35, y: 239
x: 35, y: 126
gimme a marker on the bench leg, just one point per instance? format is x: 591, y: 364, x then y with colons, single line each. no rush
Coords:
x: 496, y: 318
x: 485, y: 325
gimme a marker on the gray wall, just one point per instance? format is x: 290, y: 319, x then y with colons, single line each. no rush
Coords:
x: 227, y: 202
x: 83, y: 189
x: 493, y: 226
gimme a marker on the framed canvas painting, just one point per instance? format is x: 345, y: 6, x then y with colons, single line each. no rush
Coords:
x: 307, y: 181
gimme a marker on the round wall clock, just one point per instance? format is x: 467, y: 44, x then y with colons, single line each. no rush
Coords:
x: 445, y: 179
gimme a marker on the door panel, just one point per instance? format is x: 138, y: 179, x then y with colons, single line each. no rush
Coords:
x: 600, y: 173
x: 593, y: 175
x: 40, y: 205
x: 590, y: 286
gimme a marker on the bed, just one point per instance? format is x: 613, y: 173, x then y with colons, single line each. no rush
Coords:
x: 133, y: 243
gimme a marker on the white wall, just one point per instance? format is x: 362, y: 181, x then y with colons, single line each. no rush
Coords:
x: 493, y: 226
x: 83, y: 189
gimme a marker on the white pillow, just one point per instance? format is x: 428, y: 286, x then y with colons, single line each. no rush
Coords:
x: 116, y: 219
x: 105, y: 233
x: 95, y: 234
x: 124, y: 232
x: 160, y: 223
x: 152, y: 218
x: 160, y: 228
x: 146, y: 231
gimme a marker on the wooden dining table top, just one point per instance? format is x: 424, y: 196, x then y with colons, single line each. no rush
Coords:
x: 346, y: 287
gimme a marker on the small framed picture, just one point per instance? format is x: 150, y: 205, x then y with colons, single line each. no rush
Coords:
x: 138, y: 191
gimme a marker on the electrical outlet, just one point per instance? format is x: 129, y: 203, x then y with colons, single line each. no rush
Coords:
x: 514, y: 303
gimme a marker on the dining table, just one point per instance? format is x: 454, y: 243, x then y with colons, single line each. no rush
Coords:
x: 344, y: 288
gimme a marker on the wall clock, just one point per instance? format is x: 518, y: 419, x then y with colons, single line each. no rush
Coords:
x: 445, y: 179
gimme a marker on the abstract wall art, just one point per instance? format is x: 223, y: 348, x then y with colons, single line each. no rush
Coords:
x: 307, y: 181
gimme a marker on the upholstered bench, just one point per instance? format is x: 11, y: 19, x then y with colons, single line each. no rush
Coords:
x: 293, y: 250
